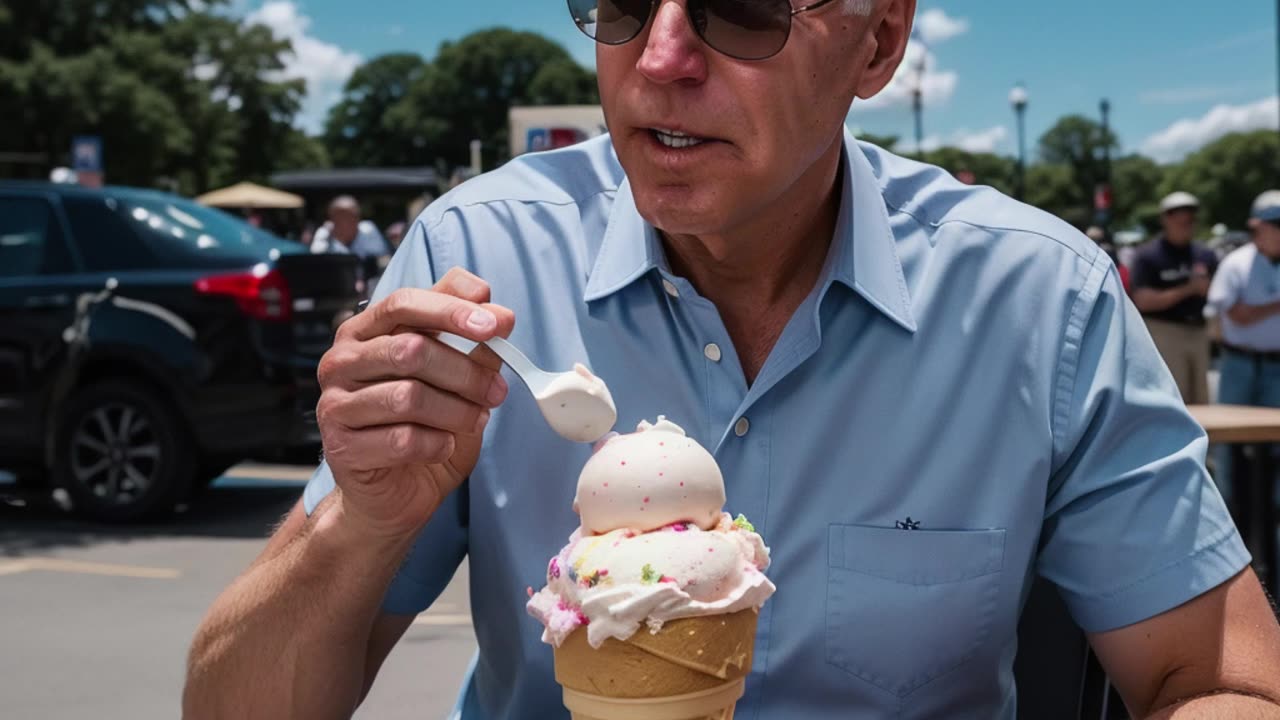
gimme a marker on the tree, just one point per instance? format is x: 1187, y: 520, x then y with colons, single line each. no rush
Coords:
x: 1135, y: 180
x: 473, y: 84
x: 362, y: 129
x: 176, y: 90
x: 1077, y: 143
x: 986, y: 168
x: 1052, y: 188
x: 1228, y: 174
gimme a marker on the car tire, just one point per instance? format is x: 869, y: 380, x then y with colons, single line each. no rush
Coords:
x: 123, y: 453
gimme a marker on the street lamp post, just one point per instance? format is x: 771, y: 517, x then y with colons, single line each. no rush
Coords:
x: 1018, y: 99
x: 917, y: 103
x: 1104, y: 200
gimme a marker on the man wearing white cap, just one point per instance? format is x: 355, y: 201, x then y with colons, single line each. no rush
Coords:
x: 1170, y: 280
x: 1245, y: 295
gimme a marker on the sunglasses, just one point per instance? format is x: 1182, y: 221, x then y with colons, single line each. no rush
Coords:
x: 741, y: 29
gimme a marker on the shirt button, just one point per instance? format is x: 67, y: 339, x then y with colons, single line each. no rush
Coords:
x: 741, y: 427
x: 712, y: 351
x: 671, y: 288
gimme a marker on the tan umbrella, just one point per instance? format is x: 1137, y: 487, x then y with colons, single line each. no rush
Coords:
x: 250, y: 195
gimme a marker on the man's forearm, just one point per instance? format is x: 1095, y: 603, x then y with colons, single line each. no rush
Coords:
x: 1152, y: 300
x: 1222, y: 705
x: 1243, y: 314
x: 289, y: 638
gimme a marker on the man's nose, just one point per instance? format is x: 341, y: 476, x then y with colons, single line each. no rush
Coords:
x: 673, y: 52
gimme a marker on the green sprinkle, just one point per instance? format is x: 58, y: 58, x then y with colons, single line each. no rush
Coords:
x: 648, y: 575
x: 742, y: 523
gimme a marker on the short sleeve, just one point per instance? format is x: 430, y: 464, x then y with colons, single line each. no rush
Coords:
x: 1226, y: 288
x: 1133, y: 525
x: 440, y: 547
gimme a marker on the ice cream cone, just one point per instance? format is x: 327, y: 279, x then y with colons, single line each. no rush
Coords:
x: 691, y: 669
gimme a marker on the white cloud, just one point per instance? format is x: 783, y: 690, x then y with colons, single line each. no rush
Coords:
x: 920, y: 66
x: 981, y: 141
x: 324, y: 66
x: 1186, y: 136
x: 935, y: 26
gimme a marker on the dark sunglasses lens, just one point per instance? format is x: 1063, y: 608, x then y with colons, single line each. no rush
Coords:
x: 611, y: 22
x: 744, y: 29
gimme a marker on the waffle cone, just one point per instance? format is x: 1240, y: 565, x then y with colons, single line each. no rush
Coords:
x: 691, y: 669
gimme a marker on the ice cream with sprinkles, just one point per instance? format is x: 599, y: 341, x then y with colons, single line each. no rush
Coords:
x: 655, y: 543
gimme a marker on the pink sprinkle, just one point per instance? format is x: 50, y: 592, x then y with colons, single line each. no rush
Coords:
x: 661, y: 474
x: 593, y: 492
x: 641, y: 509
x: 604, y: 572
x: 529, y: 590
x: 624, y: 462
x: 606, y: 484
x: 646, y: 498
x: 711, y: 549
x: 661, y: 444
x: 681, y: 483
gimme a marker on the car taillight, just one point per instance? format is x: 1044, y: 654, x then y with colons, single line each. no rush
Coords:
x: 261, y: 293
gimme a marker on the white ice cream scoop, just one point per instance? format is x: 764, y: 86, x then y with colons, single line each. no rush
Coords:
x: 576, y: 403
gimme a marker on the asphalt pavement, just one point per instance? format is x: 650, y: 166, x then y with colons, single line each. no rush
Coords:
x: 95, y: 620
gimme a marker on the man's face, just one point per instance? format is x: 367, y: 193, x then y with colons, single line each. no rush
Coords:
x: 765, y: 123
x: 1179, y: 225
x: 1267, y: 236
x: 346, y: 224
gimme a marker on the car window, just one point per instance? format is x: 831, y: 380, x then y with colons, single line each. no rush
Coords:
x: 191, y: 229
x: 104, y: 237
x: 30, y: 243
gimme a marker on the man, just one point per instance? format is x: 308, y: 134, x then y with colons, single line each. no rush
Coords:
x: 1245, y: 299
x: 1170, y: 279
x: 846, y: 332
x: 347, y: 233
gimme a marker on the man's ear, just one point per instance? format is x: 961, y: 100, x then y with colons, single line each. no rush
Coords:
x: 891, y: 33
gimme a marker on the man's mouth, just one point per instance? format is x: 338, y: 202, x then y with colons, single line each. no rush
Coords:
x: 675, y: 139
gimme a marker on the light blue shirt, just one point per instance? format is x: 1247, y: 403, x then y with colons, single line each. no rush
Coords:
x: 1246, y: 276
x: 965, y: 365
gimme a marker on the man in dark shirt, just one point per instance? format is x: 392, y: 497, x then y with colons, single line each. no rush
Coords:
x: 1170, y: 280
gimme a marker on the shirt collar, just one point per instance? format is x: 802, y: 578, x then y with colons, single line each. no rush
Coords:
x: 863, y: 253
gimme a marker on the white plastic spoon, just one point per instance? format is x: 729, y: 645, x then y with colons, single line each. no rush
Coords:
x: 576, y: 403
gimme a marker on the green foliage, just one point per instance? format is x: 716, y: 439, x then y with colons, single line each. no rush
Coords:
x: 987, y: 168
x: 474, y: 82
x: 1228, y: 174
x: 175, y: 90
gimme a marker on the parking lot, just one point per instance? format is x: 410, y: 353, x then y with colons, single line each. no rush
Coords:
x: 95, y: 620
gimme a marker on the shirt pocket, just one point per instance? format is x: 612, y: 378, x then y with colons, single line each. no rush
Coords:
x: 907, y: 606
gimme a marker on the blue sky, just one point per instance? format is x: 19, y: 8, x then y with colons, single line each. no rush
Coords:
x: 1177, y: 73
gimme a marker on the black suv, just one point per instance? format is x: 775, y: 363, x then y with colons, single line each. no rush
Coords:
x: 147, y: 343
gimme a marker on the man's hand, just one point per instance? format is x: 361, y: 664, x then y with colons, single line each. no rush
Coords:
x: 1216, y: 656
x: 402, y: 414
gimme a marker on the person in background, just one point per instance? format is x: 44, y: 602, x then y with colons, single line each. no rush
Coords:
x: 1170, y: 279
x: 395, y: 233
x: 346, y: 233
x: 1103, y: 239
x: 1245, y: 299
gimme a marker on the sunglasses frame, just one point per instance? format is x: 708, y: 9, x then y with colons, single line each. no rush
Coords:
x: 653, y: 5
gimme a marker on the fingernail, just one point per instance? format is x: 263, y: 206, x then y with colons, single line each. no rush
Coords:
x: 497, y: 391
x: 482, y: 320
x: 480, y: 421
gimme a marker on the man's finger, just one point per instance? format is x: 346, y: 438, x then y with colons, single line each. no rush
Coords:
x: 424, y: 311
x: 404, y: 401
x: 506, y: 323
x: 461, y: 283
x: 389, y: 358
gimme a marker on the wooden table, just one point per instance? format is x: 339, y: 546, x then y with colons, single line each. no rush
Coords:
x: 1253, y: 484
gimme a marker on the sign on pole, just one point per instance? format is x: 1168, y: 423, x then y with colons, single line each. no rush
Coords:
x: 86, y: 159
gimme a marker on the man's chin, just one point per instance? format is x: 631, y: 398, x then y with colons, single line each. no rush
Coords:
x: 680, y: 209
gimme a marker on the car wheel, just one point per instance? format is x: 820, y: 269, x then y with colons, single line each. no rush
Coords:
x: 123, y: 454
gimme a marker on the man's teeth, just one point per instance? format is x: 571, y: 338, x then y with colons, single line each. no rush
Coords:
x: 673, y: 139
